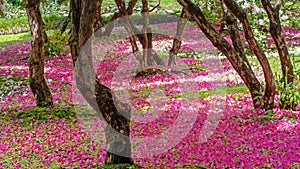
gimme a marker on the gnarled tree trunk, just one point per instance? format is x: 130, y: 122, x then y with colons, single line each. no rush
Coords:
x: 37, y: 80
x: 114, y: 114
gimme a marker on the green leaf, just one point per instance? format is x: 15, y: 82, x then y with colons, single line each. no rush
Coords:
x: 52, y: 165
x: 23, y: 162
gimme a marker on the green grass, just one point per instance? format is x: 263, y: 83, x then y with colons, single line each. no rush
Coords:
x: 40, y: 114
x: 275, y: 63
x: 13, y: 38
x: 224, y: 90
x: 18, y: 37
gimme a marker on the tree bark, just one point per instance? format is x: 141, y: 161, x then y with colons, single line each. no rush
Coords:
x: 181, y: 24
x: 110, y: 26
x: 37, y: 80
x: 130, y: 30
x: 276, y: 33
x: 222, y: 45
x: 114, y: 114
x: 98, y: 19
x: 270, y: 90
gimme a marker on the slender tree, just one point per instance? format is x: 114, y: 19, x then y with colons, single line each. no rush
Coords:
x: 117, y: 16
x: 276, y: 33
x: 181, y: 24
x: 37, y: 80
x: 270, y: 90
x: 235, y: 52
x: 235, y: 58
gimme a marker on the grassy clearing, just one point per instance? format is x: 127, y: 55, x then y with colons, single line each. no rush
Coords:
x: 13, y: 38
x: 224, y: 90
x: 164, y: 4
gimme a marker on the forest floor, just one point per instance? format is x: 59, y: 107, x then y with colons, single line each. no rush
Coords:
x: 216, y: 127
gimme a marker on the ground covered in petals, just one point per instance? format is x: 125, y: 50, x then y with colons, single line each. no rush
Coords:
x: 223, y: 129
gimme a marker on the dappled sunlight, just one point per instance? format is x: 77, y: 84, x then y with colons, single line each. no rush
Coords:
x: 241, y: 136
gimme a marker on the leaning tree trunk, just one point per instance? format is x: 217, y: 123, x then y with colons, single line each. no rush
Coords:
x: 238, y: 63
x: 117, y: 15
x: 114, y: 114
x: 177, y: 40
x: 275, y: 30
x: 37, y: 81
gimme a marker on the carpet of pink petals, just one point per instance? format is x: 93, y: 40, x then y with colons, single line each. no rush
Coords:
x: 239, y: 141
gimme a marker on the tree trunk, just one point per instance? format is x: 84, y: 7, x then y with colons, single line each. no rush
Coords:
x: 270, y: 90
x: 245, y: 72
x: 110, y: 26
x: 98, y: 20
x: 37, y: 80
x: 177, y: 40
x: 114, y: 114
x: 275, y: 30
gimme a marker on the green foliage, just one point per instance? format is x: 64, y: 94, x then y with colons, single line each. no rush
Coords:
x: 58, y: 7
x: 12, y: 84
x: 212, y: 11
x: 292, y: 10
x: 289, y: 92
x: 16, y: 2
x: 56, y: 43
x: 18, y: 25
x: 11, y: 26
x: 53, y: 21
x: 16, y: 10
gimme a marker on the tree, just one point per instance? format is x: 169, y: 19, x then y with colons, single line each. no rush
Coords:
x: 37, y: 80
x: 100, y: 97
x: 98, y: 19
x: 115, y: 115
x: 177, y: 40
x: 275, y: 30
x: 262, y: 98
